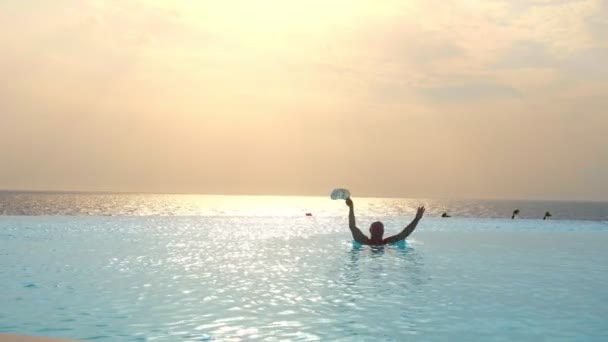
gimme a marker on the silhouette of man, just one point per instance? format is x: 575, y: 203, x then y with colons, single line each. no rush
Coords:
x: 377, y: 228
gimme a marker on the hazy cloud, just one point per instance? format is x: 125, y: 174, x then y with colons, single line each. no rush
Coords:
x: 242, y: 96
x: 471, y: 92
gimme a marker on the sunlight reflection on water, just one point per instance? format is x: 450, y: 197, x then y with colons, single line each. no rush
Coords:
x: 231, y: 278
x: 30, y: 204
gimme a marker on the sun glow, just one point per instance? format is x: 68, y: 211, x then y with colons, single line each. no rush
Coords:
x: 413, y: 98
x: 275, y: 17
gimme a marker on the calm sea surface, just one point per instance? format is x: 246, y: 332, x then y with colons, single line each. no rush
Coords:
x: 98, y: 204
x: 198, y: 268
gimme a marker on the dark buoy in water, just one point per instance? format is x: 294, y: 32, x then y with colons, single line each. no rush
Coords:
x: 547, y: 214
x: 515, y: 213
x: 445, y: 214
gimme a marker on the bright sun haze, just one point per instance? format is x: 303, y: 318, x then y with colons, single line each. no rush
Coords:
x: 499, y: 99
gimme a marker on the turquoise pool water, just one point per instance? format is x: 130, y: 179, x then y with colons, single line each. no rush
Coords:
x: 297, y: 278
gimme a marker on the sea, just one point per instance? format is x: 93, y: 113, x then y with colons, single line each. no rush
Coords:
x: 147, y: 267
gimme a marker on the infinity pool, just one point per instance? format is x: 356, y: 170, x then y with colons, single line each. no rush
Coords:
x: 281, y: 278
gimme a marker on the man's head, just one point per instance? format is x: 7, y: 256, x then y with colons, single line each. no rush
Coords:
x: 376, y: 230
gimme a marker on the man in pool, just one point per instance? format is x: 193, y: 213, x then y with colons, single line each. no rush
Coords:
x: 377, y: 229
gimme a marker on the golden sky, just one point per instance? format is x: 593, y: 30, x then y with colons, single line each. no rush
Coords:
x: 420, y: 98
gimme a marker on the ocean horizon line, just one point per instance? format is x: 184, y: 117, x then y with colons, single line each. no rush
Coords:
x: 103, y: 192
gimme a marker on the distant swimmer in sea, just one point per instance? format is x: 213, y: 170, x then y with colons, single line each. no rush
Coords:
x: 377, y: 229
x: 515, y: 213
x: 547, y: 214
x: 445, y: 215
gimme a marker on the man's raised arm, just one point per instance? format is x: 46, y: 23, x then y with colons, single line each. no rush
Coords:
x: 407, y: 230
x: 357, y: 234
